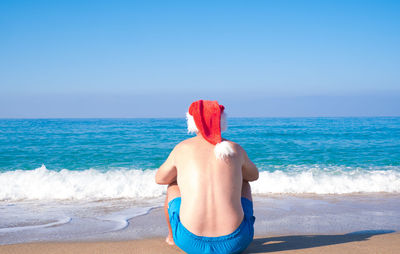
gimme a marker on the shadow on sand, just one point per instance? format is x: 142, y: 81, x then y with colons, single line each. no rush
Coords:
x: 296, y: 242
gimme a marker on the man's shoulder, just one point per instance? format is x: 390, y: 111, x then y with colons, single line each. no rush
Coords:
x: 184, y: 143
x: 192, y: 142
x: 234, y: 145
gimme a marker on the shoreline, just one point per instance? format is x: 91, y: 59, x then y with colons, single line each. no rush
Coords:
x: 122, y: 220
x: 358, y: 223
x: 363, y: 243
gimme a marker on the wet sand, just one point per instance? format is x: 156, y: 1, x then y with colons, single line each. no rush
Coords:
x: 345, y: 243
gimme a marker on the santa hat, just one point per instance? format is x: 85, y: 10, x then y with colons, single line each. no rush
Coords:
x: 208, y: 118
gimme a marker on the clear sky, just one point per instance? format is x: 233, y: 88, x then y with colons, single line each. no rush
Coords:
x: 152, y: 58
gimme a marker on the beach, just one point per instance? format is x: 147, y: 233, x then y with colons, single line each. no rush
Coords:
x: 327, y: 185
x: 284, y: 224
x: 296, y: 244
x: 105, y: 104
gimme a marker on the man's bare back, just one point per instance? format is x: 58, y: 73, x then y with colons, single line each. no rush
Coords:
x: 208, y: 206
x: 210, y: 188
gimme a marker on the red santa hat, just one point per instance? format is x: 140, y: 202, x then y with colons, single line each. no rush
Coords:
x: 208, y: 119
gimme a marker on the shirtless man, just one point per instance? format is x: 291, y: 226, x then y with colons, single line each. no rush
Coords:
x: 208, y: 205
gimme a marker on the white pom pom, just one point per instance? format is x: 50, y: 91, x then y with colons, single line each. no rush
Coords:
x: 223, y: 149
x: 191, y: 125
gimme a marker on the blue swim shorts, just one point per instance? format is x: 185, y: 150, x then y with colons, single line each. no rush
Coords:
x: 235, y: 242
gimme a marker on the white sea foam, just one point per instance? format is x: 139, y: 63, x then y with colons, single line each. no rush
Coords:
x: 29, y: 227
x: 44, y: 184
x: 316, y: 180
x: 121, y: 218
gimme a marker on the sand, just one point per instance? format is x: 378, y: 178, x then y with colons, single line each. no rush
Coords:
x: 348, y: 243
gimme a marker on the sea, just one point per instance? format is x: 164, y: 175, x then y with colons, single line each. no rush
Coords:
x: 85, y: 179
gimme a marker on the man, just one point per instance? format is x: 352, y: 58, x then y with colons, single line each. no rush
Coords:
x: 208, y: 205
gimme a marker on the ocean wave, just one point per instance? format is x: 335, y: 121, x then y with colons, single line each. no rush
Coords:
x: 91, y: 184
x: 44, y: 184
x: 331, y: 180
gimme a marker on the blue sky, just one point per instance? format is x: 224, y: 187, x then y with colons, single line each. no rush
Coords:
x: 152, y: 58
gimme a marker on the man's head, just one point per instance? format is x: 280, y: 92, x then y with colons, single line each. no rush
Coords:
x: 191, y: 125
x: 208, y: 119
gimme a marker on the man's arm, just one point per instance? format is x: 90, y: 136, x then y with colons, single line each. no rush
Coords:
x: 249, y: 169
x: 167, y: 173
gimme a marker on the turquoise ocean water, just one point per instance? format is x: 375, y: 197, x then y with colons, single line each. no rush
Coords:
x: 69, y: 179
x: 103, y: 144
x: 363, y: 152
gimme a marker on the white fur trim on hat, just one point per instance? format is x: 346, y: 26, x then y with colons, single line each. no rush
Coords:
x: 192, y: 128
x: 191, y: 125
x: 223, y: 149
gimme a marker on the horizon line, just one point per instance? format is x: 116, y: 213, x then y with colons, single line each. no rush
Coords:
x: 72, y: 118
